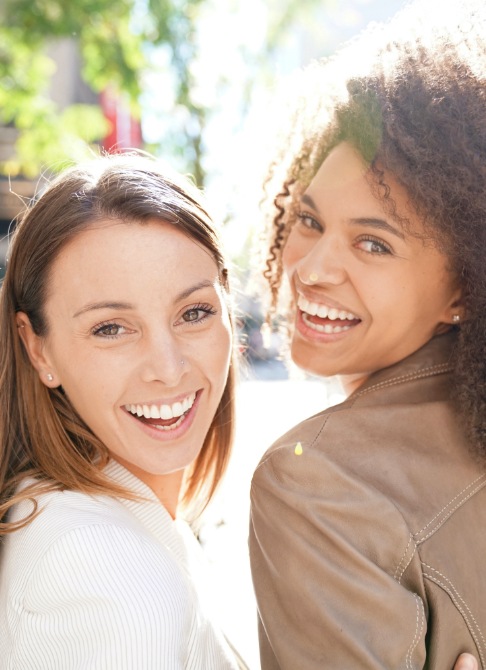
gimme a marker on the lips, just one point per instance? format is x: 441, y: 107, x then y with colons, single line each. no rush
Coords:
x: 325, y: 319
x: 165, y: 416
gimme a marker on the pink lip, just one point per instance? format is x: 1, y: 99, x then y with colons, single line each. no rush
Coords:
x: 169, y: 435
x: 313, y: 335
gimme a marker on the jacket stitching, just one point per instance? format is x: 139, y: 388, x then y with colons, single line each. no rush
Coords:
x: 450, y: 503
x: 453, y: 509
x: 456, y: 597
x: 320, y: 430
x: 419, y: 611
x: 398, y: 576
x: 426, y: 372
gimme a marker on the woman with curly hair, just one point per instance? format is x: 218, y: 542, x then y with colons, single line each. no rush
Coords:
x: 367, y: 530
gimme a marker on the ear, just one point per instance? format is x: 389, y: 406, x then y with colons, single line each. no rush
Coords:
x: 454, y: 313
x: 35, y: 348
x: 457, y: 310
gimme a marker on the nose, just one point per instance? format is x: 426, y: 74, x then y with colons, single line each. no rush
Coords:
x: 163, y: 360
x: 324, y: 263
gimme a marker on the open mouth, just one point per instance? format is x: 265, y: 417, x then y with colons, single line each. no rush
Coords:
x: 324, y: 319
x: 163, y: 417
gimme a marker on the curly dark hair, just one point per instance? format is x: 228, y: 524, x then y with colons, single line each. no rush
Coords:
x: 413, y: 107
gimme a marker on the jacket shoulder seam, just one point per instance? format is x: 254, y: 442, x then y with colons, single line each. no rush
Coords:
x: 448, y: 510
x: 400, y: 571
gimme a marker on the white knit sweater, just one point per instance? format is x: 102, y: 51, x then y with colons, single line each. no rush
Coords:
x: 96, y: 582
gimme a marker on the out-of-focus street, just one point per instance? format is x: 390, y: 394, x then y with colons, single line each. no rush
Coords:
x: 268, y: 406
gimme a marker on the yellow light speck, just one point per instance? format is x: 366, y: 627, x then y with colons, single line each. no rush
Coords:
x: 298, y: 449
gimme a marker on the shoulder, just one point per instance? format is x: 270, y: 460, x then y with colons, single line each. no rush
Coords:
x: 80, y: 543
x: 398, y: 442
x: 64, y: 512
x: 98, y: 585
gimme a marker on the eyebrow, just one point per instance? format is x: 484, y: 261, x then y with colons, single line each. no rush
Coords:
x: 108, y: 304
x: 379, y: 224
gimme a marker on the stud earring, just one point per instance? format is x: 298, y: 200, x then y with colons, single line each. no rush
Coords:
x: 313, y: 277
x: 182, y: 361
x: 50, y: 378
x: 456, y: 318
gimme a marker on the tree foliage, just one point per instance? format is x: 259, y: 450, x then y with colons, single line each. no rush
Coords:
x: 117, y: 40
x: 111, y: 38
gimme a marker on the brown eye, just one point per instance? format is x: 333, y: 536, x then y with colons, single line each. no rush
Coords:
x: 198, y: 313
x: 374, y: 246
x: 191, y: 315
x: 308, y: 221
x: 108, y: 330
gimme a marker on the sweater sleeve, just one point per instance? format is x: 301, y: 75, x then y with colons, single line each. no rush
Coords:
x: 103, y: 597
x: 325, y: 551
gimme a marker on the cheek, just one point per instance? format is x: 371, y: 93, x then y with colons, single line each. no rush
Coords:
x: 296, y: 249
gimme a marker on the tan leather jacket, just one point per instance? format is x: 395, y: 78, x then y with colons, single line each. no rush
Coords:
x: 368, y: 550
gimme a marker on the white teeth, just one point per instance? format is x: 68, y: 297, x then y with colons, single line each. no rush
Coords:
x: 327, y: 328
x: 165, y: 412
x: 333, y: 314
x: 177, y: 409
x: 323, y: 311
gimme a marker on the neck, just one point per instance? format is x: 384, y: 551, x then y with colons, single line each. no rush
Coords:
x: 350, y: 383
x: 166, y: 487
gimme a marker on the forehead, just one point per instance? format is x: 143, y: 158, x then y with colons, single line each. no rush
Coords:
x: 346, y: 182
x: 115, y: 253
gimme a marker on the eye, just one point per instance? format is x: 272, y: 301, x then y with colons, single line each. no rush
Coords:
x: 309, y: 222
x: 108, y: 330
x: 198, y: 313
x: 372, y: 245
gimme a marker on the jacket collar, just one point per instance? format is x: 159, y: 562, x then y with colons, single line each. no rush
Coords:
x: 435, y: 357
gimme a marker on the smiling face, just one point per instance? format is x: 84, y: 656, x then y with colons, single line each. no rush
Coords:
x: 139, y: 338
x: 368, y: 292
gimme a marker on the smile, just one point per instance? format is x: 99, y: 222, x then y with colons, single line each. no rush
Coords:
x: 164, y: 416
x: 325, y: 319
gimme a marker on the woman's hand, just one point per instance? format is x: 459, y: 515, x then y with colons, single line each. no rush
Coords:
x: 466, y: 662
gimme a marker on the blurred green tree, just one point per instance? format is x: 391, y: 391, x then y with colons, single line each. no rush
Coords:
x: 111, y: 38
x: 116, y: 40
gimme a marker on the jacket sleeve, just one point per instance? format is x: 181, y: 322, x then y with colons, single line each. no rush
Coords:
x: 326, y: 554
x: 103, y: 598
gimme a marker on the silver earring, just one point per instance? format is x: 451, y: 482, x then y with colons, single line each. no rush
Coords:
x: 182, y: 361
x: 50, y: 378
x: 456, y: 318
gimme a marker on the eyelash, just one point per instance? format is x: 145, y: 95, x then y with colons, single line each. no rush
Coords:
x: 385, y: 248
x: 200, y: 307
x: 316, y: 226
x: 100, y: 329
x: 304, y: 216
x: 97, y: 331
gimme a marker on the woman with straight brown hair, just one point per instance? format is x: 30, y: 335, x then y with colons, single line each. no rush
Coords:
x: 116, y: 415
